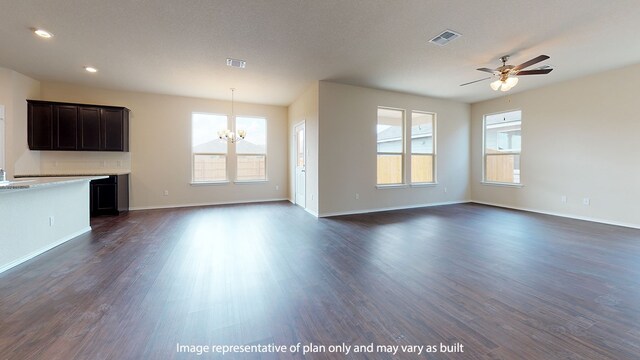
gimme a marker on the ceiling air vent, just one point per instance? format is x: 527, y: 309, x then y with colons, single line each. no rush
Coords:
x: 236, y: 63
x: 445, y: 37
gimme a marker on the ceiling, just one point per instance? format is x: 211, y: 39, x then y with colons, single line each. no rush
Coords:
x: 180, y: 47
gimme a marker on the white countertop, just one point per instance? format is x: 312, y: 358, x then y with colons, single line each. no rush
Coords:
x: 74, y: 173
x: 38, y: 182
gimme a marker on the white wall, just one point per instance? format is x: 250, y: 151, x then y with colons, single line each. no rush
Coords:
x: 579, y: 139
x: 305, y: 108
x: 6, y: 99
x: 160, y: 147
x: 347, y: 150
x: 2, y: 137
x: 15, y: 89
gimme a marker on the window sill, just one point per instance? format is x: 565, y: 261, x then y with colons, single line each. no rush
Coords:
x: 248, y: 182
x: 501, y: 184
x: 207, y: 183
x: 392, y: 186
x: 424, y: 184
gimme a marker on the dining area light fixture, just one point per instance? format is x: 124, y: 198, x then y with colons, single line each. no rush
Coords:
x: 229, y: 135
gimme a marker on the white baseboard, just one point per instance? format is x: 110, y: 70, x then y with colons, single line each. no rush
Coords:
x: 366, y: 211
x: 304, y: 208
x: 314, y: 213
x: 43, y: 250
x: 173, y: 206
x: 569, y: 216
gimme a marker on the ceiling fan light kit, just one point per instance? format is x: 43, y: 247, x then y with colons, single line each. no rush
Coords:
x: 508, y: 73
x: 504, y: 85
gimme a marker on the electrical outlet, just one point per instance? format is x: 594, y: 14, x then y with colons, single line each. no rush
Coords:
x: 357, y: 196
x: 445, y: 189
x: 166, y: 193
x: 563, y: 198
x: 52, y: 220
x: 586, y: 201
x: 277, y: 187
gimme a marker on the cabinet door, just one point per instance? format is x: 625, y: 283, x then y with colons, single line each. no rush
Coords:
x: 65, y: 134
x: 104, y: 199
x: 89, y: 128
x: 113, y: 129
x: 40, y: 127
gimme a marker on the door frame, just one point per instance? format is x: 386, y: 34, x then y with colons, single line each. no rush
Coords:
x: 295, y: 163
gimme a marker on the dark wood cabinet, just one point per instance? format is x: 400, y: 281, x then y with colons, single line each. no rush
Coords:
x: 40, y: 127
x: 89, y: 129
x: 65, y: 127
x: 77, y: 127
x: 115, y: 130
x: 109, y: 196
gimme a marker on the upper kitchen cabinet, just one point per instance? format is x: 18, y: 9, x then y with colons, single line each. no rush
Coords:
x: 77, y: 127
x: 65, y: 127
x: 40, y: 126
x: 115, y: 124
x: 89, y: 134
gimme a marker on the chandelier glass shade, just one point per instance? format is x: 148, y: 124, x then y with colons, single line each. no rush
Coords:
x: 228, y: 135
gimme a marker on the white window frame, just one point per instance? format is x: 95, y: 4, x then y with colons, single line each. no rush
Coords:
x: 505, y: 153
x: 193, y: 155
x: 433, y: 152
x: 266, y: 151
x: 403, y: 157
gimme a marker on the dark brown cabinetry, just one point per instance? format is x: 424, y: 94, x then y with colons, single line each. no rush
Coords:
x: 77, y: 127
x: 89, y: 128
x: 109, y: 196
x: 115, y: 129
x: 65, y: 127
x: 40, y: 125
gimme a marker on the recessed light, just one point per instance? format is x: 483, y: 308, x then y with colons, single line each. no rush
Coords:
x: 91, y: 69
x: 43, y: 33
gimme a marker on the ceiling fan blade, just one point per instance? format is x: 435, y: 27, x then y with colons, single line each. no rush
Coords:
x: 475, y: 81
x: 534, y: 72
x: 491, y: 71
x: 526, y: 64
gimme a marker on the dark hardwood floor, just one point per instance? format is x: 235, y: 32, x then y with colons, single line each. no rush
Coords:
x: 504, y: 284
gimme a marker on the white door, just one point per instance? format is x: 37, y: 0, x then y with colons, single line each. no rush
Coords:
x: 300, y: 166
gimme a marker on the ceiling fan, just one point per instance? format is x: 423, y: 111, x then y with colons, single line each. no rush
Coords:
x: 508, y: 73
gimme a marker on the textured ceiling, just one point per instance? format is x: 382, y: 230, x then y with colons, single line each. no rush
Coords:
x: 180, y: 47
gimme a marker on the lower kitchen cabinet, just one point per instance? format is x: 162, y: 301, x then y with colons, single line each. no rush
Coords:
x: 109, y: 196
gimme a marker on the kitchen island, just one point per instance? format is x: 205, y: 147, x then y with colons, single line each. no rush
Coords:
x: 109, y: 196
x: 38, y: 214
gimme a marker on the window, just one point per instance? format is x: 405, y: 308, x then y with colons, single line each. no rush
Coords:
x: 502, y: 139
x: 252, y: 151
x: 422, y: 147
x: 390, y: 143
x: 209, y: 154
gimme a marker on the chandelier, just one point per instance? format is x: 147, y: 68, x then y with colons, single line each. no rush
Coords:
x: 228, y: 135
